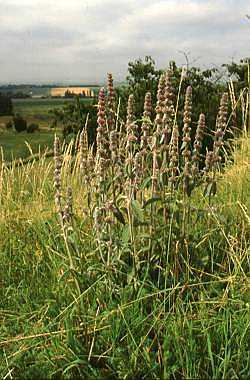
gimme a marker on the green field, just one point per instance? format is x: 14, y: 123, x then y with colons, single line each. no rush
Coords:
x: 40, y: 107
x: 17, y: 145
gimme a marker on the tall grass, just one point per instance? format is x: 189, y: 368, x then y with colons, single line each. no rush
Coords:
x: 140, y: 270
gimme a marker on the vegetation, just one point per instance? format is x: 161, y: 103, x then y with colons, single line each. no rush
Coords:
x: 141, y: 269
x: 15, y: 146
x: 20, y: 124
x: 31, y: 128
x: 76, y: 116
x: 5, y: 105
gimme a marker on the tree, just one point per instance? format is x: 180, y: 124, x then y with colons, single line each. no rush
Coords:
x: 69, y: 94
x: 207, y: 88
x: 6, y: 107
x: 20, y: 124
x: 240, y: 74
x: 142, y: 77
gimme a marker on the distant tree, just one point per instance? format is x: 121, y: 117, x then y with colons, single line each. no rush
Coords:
x: 6, y: 107
x: 69, y: 94
x: 20, y: 124
x: 9, y: 125
x: 239, y: 72
x: 20, y: 95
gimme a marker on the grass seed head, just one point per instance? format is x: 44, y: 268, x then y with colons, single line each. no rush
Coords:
x: 57, y: 174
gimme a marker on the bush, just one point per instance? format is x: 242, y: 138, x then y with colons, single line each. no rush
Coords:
x: 20, y: 124
x: 9, y: 125
x: 5, y: 105
x: 31, y: 128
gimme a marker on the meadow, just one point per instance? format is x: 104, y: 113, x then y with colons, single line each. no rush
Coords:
x: 130, y: 261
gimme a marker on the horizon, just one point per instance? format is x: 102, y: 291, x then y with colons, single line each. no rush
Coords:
x: 102, y: 82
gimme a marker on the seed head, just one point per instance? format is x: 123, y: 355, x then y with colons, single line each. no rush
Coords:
x: 57, y: 174
x: 186, y: 153
x: 68, y: 209
x: 111, y: 103
x: 221, y: 126
x: 198, y: 144
x: 130, y: 124
x: 168, y: 109
x: 146, y: 121
x: 160, y: 103
x: 174, y: 156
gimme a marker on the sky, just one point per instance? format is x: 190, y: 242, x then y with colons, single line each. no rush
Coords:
x: 79, y: 41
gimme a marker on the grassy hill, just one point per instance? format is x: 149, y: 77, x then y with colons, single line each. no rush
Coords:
x: 197, y: 326
x: 123, y: 265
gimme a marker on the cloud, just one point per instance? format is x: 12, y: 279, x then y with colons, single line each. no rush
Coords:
x: 80, y: 40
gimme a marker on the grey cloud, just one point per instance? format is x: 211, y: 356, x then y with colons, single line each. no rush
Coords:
x: 81, y: 40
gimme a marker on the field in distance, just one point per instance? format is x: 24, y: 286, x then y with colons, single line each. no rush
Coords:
x: 44, y: 91
x: 36, y: 111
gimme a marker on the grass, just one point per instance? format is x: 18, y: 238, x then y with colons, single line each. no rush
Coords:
x: 148, y: 295
x: 22, y: 145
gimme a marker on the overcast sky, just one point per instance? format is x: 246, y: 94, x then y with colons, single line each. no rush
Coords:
x: 48, y: 41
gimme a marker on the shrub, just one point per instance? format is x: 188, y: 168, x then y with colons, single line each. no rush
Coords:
x: 9, y: 125
x: 5, y: 105
x: 20, y: 124
x: 31, y: 128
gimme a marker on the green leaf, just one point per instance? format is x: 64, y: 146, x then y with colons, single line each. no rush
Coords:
x: 145, y: 183
x: 118, y: 214
x: 150, y: 201
x: 137, y: 210
x: 125, y: 235
x: 210, y: 189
